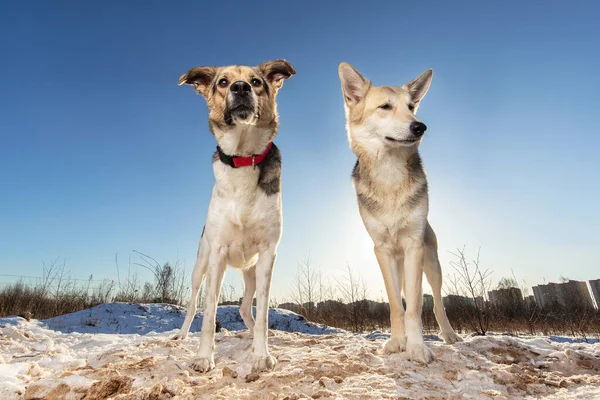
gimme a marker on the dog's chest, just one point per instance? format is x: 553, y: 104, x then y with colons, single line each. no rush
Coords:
x: 238, y: 197
x: 392, y: 203
x: 241, y: 215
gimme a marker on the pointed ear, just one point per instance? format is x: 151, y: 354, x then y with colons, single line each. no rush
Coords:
x: 354, y: 85
x: 199, y: 77
x: 276, y: 72
x: 419, y: 86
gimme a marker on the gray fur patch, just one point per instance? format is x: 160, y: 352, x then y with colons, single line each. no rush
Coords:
x: 269, y: 179
x: 417, y: 197
x: 375, y: 198
x: 414, y: 167
x: 369, y: 203
x: 356, y: 171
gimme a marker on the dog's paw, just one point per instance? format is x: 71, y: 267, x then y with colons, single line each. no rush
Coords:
x: 450, y: 337
x: 394, y: 345
x: 419, y: 352
x: 262, y: 364
x: 179, y: 336
x: 202, y: 364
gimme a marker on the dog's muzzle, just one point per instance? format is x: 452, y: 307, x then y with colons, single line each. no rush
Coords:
x: 241, y: 103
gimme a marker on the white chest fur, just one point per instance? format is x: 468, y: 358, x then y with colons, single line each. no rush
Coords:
x: 241, y: 216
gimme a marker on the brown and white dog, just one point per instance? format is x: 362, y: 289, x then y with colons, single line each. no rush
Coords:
x: 244, y: 221
x: 392, y: 194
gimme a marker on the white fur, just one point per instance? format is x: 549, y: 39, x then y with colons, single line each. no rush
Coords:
x: 243, y: 229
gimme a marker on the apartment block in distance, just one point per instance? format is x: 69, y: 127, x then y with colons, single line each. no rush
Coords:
x: 505, y: 298
x: 595, y: 285
x: 566, y: 295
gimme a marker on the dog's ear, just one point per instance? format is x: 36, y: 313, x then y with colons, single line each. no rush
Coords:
x: 276, y: 72
x: 419, y: 86
x: 354, y: 85
x: 199, y: 77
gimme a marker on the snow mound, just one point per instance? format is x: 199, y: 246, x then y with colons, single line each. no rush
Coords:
x: 142, y: 319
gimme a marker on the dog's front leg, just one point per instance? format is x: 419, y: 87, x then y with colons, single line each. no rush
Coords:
x: 263, y: 361
x: 413, y: 274
x: 392, y: 277
x: 214, y: 278
x: 197, y: 279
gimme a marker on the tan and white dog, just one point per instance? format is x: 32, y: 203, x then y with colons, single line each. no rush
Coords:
x: 392, y: 194
x: 244, y: 221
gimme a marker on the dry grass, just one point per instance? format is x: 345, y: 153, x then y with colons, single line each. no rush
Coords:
x: 57, y: 292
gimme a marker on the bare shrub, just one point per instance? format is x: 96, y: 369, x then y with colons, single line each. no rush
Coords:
x: 169, y: 280
x: 470, y: 285
x: 353, y: 291
x: 304, y: 288
x: 229, y: 295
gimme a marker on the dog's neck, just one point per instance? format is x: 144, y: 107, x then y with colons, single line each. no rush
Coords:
x: 387, y: 165
x: 245, y: 140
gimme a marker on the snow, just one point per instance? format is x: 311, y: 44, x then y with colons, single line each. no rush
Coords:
x: 143, y: 319
x: 124, y: 351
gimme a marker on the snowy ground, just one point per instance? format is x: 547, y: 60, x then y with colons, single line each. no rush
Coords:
x: 124, y: 352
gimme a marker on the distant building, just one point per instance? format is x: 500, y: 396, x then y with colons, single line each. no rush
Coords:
x: 509, y: 301
x: 506, y: 298
x: 479, y: 302
x: 546, y: 295
x: 456, y: 301
x: 290, y: 306
x: 595, y: 285
x: 571, y: 294
x: 529, y: 301
x: 427, y: 302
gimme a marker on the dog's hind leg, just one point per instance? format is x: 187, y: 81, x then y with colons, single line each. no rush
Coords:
x: 433, y: 272
x: 249, y: 290
x: 198, y: 275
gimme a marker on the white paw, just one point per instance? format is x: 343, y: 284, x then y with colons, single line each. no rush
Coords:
x: 394, y: 345
x: 419, y: 352
x: 202, y: 364
x: 180, y: 336
x: 261, y: 364
x: 450, y: 337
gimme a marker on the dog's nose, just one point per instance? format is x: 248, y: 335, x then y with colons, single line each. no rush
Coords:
x: 240, y: 88
x: 418, y: 128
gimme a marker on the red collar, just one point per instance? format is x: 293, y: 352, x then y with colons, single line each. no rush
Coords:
x: 236, y: 162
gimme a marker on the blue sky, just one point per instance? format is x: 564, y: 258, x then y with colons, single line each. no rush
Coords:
x: 102, y: 153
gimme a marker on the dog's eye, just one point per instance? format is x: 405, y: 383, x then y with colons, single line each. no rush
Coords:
x: 411, y: 107
x: 256, y: 82
x: 223, y: 82
x: 386, y: 106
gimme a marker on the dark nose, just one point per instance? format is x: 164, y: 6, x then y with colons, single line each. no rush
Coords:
x: 418, y: 128
x: 240, y: 88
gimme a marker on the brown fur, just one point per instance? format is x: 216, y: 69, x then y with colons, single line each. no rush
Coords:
x: 375, y: 195
x: 392, y: 193
x: 271, y: 74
